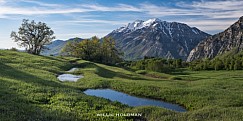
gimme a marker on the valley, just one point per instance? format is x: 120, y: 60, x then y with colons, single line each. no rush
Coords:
x: 146, y: 70
x: 29, y: 86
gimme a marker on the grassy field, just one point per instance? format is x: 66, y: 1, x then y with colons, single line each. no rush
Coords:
x: 29, y: 90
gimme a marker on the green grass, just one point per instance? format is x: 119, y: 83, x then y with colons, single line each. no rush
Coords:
x: 208, y: 95
x: 29, y: 90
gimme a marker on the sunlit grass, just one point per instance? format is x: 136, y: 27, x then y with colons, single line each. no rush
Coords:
x: 206, y: 94
x: 29, y: 90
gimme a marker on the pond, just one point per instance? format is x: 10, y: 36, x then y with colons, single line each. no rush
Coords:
x: 70, y: 77
x: 132, y: 100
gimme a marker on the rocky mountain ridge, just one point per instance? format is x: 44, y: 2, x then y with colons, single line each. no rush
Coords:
x: 231, y: 38
x: 157, y: 38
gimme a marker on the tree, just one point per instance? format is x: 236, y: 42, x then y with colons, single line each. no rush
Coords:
x: 109, y: 52
x: 94, y: 50
x: 71, y: 48
x: 33, y: 36
x: 206, y: 64
x: 218, y: 65
x: 237, y: 64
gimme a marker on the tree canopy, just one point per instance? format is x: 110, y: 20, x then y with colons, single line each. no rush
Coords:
x: 94, y: 49
x: 33, y: 36
x: 222, y: 62
x: 157, y: 64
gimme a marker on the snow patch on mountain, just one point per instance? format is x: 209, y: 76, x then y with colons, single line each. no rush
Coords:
x: 140, y: 24
x: 157, y: 38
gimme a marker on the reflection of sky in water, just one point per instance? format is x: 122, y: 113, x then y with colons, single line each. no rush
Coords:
x: 69, y: 77
x: 131, y: 100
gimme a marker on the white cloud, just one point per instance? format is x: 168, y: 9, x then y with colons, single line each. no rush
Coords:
x: 44, y: 8
x: 211, y: 9
x: 214, y: 15
x: 216, y: 9
x: 41, y: 3
x: 218, y: 5
x: 2, y: 1
x: 4, y: 11
x: 212, y: 26
x: 209, y: 16
x: 94, y: 21
x: 119, y: 7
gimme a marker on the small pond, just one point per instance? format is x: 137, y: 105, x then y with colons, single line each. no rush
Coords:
x: 70, y: 77
x: 132, y: 100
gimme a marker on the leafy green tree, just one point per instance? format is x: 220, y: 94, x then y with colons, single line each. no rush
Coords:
x: 218, y: 65
x: 94, y: 50
x: 227, y: 64
x: 206, y: 64
x: 138, y: 65
x: 237, y: 64
x: 33, y: 36
x: 109, y: 51
x: 71, y: 49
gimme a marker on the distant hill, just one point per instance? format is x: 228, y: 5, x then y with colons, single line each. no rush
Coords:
x: 157, y: 38
x: 221, y: 43
x: 56, y: 46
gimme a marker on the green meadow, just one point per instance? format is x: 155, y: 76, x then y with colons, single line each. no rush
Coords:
x: 30, y: 90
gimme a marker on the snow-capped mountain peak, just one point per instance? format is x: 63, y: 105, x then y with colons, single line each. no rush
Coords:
x: 151, y: 21
x: 138, y: 24
x: 157, y: 38
x: 135, y: 25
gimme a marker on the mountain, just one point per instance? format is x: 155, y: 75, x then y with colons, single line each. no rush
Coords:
x: 156, y: 38
x: 56, y: 46
x: 220, y: 43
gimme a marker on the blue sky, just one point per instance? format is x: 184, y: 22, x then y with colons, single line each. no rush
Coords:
x: 86, y: 18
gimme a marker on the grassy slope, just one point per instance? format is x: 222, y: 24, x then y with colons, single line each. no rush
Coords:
x: 29, y: 87
x: 29, y: 90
